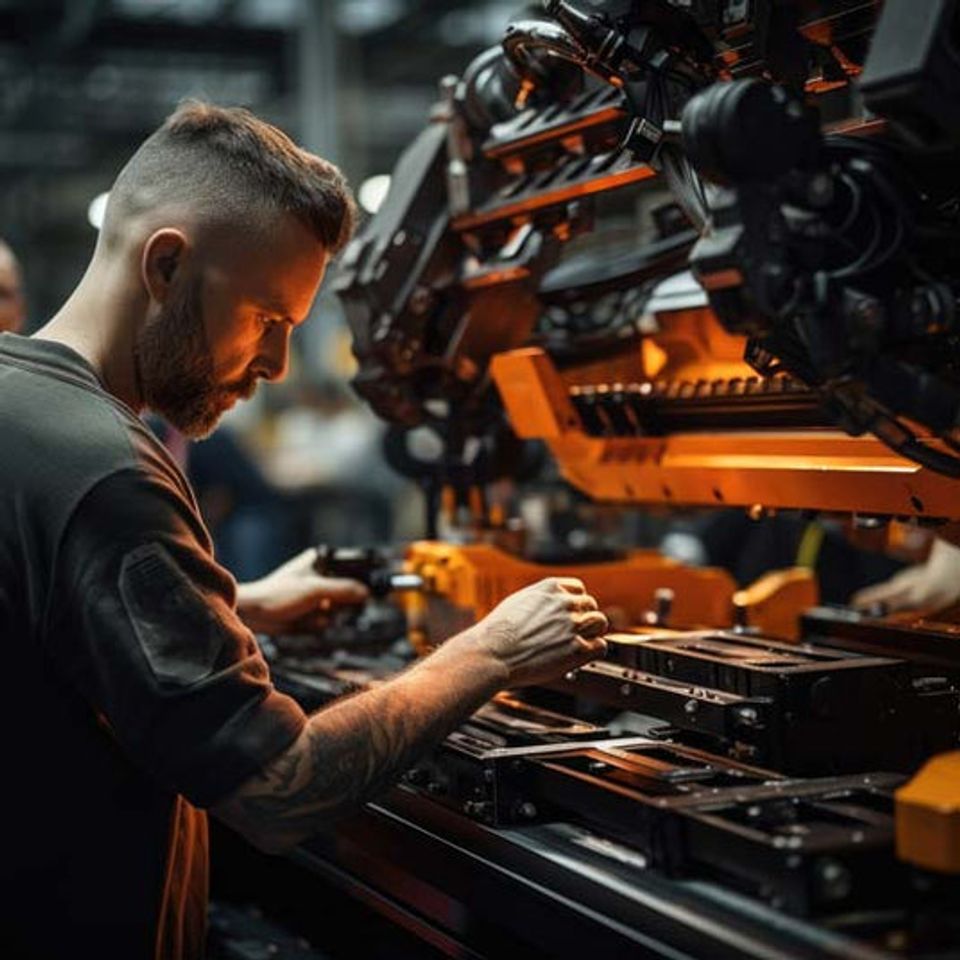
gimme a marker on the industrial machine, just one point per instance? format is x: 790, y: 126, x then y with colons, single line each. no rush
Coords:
x: 706, y: 251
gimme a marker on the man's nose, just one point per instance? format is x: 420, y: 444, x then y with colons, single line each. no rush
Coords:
x: 275, y: 356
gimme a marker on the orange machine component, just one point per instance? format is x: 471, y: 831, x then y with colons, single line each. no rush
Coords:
x: 691, y: 360
x: 773, y: 603
x: 463, y: 583
x: 928, y: 816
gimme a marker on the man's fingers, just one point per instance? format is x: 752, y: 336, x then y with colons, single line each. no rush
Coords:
x: 581, y: 602
x: 593, y: 623
x: 570, y: 584
x: 590, y: 649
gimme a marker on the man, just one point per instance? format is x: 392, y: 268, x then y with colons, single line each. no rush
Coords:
x: 13, y: 312
x: 136, y: 694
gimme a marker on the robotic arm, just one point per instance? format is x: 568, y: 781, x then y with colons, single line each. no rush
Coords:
x: 825, y: 244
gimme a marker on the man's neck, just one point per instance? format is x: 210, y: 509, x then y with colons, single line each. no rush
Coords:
x: 99, y: 322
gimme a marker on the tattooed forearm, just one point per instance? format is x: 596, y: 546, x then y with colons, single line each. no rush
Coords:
x: 349, y: 752
x: 352, y: 750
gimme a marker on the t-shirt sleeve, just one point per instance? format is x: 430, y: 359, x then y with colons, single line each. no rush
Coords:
x: 145, y: 627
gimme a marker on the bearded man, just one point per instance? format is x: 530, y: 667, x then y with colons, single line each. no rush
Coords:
x: 138, y: 697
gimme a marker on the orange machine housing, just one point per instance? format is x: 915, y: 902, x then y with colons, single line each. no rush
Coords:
x: 691, y: 355
x: 928, y: 816
x: 463, y: 583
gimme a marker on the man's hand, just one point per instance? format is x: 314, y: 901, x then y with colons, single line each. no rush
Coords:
x: 925, y: 587
x: 350, y: 751
x: 541, y: 632
x: 295, y: 598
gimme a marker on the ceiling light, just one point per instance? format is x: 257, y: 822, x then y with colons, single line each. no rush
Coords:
x: 96, y: 210
x: 373, y: 191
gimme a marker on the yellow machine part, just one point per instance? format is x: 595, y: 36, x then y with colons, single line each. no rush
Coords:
x: 928, y: 816
x: 774, y: 603
x: 463, y: 583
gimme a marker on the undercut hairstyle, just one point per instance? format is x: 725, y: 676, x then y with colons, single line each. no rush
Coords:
x: 228, y: 166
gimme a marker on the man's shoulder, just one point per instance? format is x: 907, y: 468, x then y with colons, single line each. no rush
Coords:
x: 66, y: 430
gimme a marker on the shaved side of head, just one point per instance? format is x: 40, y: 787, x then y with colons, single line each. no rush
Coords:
x: 225, y: 167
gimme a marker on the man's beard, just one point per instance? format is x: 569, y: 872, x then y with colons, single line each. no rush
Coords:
x: 176, y: 369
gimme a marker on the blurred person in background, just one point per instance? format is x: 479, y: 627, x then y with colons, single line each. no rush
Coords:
x: 140, y: 696
x: 327, y: 456
x: 13, y: 308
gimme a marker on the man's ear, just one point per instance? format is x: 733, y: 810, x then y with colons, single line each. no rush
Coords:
x: 163, y: 255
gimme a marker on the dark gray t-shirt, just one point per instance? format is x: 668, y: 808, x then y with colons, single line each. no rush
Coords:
x: 134, y: 694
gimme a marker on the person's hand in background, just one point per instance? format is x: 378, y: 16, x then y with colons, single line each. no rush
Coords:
x: 295, y: 598
x: 927, y: 587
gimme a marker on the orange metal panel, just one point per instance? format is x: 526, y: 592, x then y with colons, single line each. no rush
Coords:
x: 817, y: 469
x: 928, y: 816
x: 773, y: 603
x: 465, y: 582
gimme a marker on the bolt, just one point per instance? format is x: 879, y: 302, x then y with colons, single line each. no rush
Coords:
x: 868, y: 312
x: 820, y: 190
x: 528, y: 810
x: 383, y: 328
x: 420, y: 300
x: 691, y: 707
x: 448, y: 86
x: 662, y: 604
x: 869, y: 521
x: 834, y: 881
x: 741, y: 615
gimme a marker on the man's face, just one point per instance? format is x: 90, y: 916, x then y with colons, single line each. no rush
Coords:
x: 226, y: 324
x: 12, y: 308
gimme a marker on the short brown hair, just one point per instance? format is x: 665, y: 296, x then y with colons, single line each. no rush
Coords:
x: 229, y: 162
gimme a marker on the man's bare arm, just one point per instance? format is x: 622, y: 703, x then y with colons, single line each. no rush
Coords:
x: 352, y: 750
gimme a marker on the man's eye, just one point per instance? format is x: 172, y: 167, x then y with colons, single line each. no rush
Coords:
x: 267, y: 321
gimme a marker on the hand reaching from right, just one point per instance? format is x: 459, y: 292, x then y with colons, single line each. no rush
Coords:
x: 925, y: 587
x: 543, y: 631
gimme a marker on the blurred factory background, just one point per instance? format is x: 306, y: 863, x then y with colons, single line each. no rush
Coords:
x: 82, y: 83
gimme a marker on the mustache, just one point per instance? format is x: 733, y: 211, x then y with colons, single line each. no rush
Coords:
x: 243, y: 388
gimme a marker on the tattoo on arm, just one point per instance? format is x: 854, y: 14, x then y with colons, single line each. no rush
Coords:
x: 354, y: 749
